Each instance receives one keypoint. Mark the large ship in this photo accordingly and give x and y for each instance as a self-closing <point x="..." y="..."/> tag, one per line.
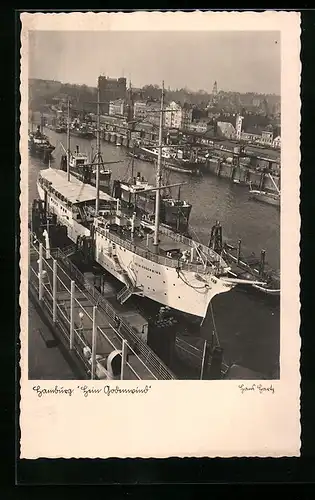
<point x="178" y="272"/>
<point x="173" y="158"/>
<point x="140" y="195"/>
<point x="159" y="264"/>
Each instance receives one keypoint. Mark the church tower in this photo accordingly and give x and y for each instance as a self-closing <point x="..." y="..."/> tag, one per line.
<point x="129" y="104"/>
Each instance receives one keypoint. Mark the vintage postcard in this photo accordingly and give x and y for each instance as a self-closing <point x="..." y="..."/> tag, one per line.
<point x="160" y="230"/>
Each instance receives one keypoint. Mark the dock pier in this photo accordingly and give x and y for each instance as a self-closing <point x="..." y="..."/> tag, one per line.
<point x="101" y="340"/>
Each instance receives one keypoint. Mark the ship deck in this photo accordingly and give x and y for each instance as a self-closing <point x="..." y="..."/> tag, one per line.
<point x="172" y="248"/>
<point x="166" y="246"/>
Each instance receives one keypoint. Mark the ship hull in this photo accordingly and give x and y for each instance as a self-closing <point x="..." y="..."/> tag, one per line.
<point x="176" y="165"/>
<point x="265" y="198"/>
<point x="82" y="135"/>
<point x="40" y="150"/>
<point x="182" y="291"/>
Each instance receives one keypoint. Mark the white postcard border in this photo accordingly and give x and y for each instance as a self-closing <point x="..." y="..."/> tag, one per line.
<point x="176" y="418"/>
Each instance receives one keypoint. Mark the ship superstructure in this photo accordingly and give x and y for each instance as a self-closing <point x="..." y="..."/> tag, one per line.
<point x="85" y="170"/>
<point x="140" y="194"/>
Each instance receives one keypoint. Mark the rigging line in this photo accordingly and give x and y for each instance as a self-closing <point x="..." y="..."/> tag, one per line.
<point x="214" y="325"/>
<point x="215" y="331"/>
<point x="188" y="284"/>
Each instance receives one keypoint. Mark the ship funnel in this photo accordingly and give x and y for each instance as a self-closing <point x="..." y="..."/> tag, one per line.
<point x="77" y="149"/>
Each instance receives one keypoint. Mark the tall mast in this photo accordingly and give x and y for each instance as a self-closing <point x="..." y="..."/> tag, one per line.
<point x="158" y="174"/>
<point x="68" y="141"/>
<point x="98" y="147"/>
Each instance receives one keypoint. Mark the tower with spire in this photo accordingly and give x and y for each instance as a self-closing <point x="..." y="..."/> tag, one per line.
<point x="214" y="93"/>
<point x="129" y="103"/>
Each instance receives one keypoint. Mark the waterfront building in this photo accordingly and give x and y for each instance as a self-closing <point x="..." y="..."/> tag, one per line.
<point x="178" y="116"/>
<point x="111" y="89"/>
<point x="238" y="127"/>
<point x="251" y="137"/>
<point x="277" y="142"/>
<point x="226" y="129"/>
<point x="140" y="110"/>
<point x="267" y="135"/>
<point x="200" y="126"/>
<point x="116" y="107"/>
<point x="153" y="113"/>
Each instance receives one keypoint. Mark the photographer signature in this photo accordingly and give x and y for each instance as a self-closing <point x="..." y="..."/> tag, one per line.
<point x="256" y="388"/>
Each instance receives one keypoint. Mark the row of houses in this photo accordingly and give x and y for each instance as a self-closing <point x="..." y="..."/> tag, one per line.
<point x="179" y="117"/>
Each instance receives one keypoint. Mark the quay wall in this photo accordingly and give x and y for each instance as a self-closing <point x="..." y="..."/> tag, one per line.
<point x="243" y="174"/>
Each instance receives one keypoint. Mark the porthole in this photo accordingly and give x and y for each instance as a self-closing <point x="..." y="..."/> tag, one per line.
<point x="163" y="281"/>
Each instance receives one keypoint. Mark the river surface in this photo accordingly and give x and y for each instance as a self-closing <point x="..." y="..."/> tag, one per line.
<point x="248" y="325"/>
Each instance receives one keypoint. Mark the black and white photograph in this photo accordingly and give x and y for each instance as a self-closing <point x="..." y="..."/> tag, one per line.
<point x="155" y="190"/>
<point x="154" y="207"/>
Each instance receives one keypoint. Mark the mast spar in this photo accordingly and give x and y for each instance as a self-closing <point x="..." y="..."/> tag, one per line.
<point x="158" y="175"/>
<point x="98" y="147"/>
<point x="68" y="140"/>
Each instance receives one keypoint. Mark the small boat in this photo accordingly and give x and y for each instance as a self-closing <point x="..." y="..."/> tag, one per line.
<point x="272" y="198"/>
<point x="265" y="197"/>
<point x="38" y="143"/>
<point x="82" y="131"/>
<point x="60" y="129"/>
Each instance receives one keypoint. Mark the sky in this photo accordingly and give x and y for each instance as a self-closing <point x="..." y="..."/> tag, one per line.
<point x="246" y="61"/>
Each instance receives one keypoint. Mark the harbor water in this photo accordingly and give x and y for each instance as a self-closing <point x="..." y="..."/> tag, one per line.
<point x="248" y="325"/>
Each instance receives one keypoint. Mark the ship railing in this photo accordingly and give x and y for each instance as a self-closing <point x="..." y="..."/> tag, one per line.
<point x="180" y="238"/>
<point x="148" y="357"/>
<point x="218" y="262"/>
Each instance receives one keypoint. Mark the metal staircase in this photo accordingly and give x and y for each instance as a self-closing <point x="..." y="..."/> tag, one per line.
<point x="125" y="294"/>
<point x="129" y="288"/>
<point x="70" y="250"/>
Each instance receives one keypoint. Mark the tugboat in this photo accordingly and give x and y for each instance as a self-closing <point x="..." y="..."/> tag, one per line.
<point x="38" y="144"/>
<point x="84" y="170"/>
